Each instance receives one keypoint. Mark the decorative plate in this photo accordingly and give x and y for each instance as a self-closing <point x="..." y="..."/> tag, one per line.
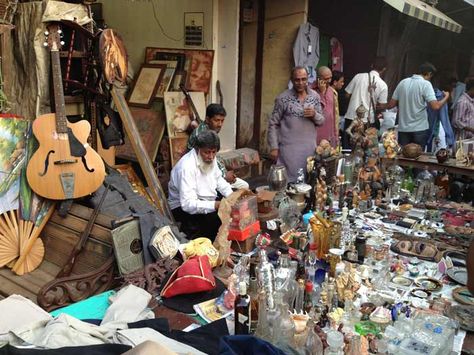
<point x="462" y="295"/>
<point x="463" y="314"/>
<point x="458" y="274"/>
<point x="420" y="293"/>
<point x="402" y="281"/>
<point x="428" y="283"/>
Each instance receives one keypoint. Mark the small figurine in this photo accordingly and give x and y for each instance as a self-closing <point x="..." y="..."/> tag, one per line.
<point x="356" y="131"/>
<point x="371" y="143"/>
<point x="392" y="148"/>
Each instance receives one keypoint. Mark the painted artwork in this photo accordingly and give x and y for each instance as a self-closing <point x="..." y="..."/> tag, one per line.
<point x="200" y="72"/>
<point x="198" y="65"/>
<point x="151" y="126"/>
<point x="177" y="111"/>
<point x="12" y="159"/>
<point x="178" y="147"/>
<point x="146" y="85"/>
<point x="165" y="82"/>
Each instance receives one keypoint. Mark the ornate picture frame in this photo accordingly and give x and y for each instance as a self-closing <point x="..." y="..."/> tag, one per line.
<point x="146" y="85"/>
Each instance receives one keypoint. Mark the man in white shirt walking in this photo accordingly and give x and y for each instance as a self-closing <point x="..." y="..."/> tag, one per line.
<point x="193" y="188"/>
<point x="369" y="90"/>
<point x="412" y="96"/>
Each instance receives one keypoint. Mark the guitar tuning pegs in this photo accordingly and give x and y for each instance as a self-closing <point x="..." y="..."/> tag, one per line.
<point x="62" y="43"/>
<point x="46" y="33"/>
<point x="60" y="31"/>
<point x="45" y="44"/>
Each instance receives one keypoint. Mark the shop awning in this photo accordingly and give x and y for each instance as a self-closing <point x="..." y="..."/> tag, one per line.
<point x="470" y="2"/>
<point x="425" y="12"/>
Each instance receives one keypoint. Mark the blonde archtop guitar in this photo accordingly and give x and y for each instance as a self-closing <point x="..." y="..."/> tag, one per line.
<point x="64" y="166"/>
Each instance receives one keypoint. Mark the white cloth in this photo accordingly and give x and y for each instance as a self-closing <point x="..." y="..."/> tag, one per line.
<point x="359" y="90"/>
<point x="137" y="336"/>
<point x="239" y="184"/>
<point x="129" y="305"/>
<point x="18" y="311"/>
<point x="194" y="190"/>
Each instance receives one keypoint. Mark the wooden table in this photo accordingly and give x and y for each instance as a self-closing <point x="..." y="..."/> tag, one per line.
<point x="432" y="164"/>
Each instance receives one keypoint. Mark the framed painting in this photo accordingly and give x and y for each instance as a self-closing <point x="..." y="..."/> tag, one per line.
<point x="168" y="63"/>
<point x="200" y="71"/>
<point x="166" y="54"/>
<point x="178" y="79"/>
<point x="198" y="65"/>
<point x="151" y="125"/>
<point x="146" y="85"/>
<point x="165" y="82"/>
<point x="178" y="147"/>
<point x="178" y="112"/>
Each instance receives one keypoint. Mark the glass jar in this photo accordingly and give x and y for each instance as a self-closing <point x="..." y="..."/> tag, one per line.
<point x="348" y="168"/>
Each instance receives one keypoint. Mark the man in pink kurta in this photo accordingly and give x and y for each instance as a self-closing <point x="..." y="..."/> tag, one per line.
<point x="328" y="129"/>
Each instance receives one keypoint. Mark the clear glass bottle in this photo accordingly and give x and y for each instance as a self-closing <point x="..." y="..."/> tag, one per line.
<point x="314" y="345"/>
<point x="254" y="304"/>
<point x="263" y="327"/>
<point x="284" y="327"/>
<point x="335" y="341"/>
<point x="299" y="301"/>
<point x="266" y="277"/>
<point x="346" y="233"/>
<point x="242" y="311"/>
<point x="283" y="276"/>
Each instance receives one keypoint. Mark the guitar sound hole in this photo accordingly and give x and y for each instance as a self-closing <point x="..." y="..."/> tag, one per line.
<point x="46" y="163"/>
<point x="84" y="162"/>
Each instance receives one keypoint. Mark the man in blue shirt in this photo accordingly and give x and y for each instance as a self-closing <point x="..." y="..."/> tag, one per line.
<point x="412" y="96"/>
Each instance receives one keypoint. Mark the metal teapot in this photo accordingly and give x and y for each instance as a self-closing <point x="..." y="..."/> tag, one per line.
<point x="277" y="178"/>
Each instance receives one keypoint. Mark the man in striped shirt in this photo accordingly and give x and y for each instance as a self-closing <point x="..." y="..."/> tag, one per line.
<point x="463" y="116"/>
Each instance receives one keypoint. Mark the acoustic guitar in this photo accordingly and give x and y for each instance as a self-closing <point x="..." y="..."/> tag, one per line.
<point x="64" y="166"/>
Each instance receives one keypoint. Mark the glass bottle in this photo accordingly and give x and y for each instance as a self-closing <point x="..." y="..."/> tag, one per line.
<point x="335" y="341"/>
<point x="254" y="303"/>
<point x="242" y="311"/>
<point x="263" y="327"/>
<point x="308" y="297"/>
<point x="299" y="296"/>
<point x="283" y="276"/>
<point x="266" y="277"/>
<point x="284" y="327"/>
<point x="409" y="182"/>
<point x="355" y="346"/>
<point x="346" y="234"/>
<point x="314" y="345"/>
<point x="311" y="260"/>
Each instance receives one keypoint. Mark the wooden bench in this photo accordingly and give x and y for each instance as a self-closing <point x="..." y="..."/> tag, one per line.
<point x="93" y="270"/>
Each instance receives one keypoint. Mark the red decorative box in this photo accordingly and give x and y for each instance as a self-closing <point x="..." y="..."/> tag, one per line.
<point x="247" y="232"/>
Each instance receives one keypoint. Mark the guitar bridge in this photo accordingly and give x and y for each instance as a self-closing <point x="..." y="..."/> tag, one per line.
<point x="65" y="161"/>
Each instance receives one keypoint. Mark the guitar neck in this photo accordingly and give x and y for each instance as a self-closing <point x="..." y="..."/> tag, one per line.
<point x="59" y="105"/>
<point x="190" y="102"/>
<point x="93" y="122"/>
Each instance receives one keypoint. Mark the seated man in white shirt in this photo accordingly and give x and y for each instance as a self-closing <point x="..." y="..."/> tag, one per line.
<point x="193" y="188"/>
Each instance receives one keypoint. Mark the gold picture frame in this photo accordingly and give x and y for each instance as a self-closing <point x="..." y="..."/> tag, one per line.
<point x="146" y="85"/>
